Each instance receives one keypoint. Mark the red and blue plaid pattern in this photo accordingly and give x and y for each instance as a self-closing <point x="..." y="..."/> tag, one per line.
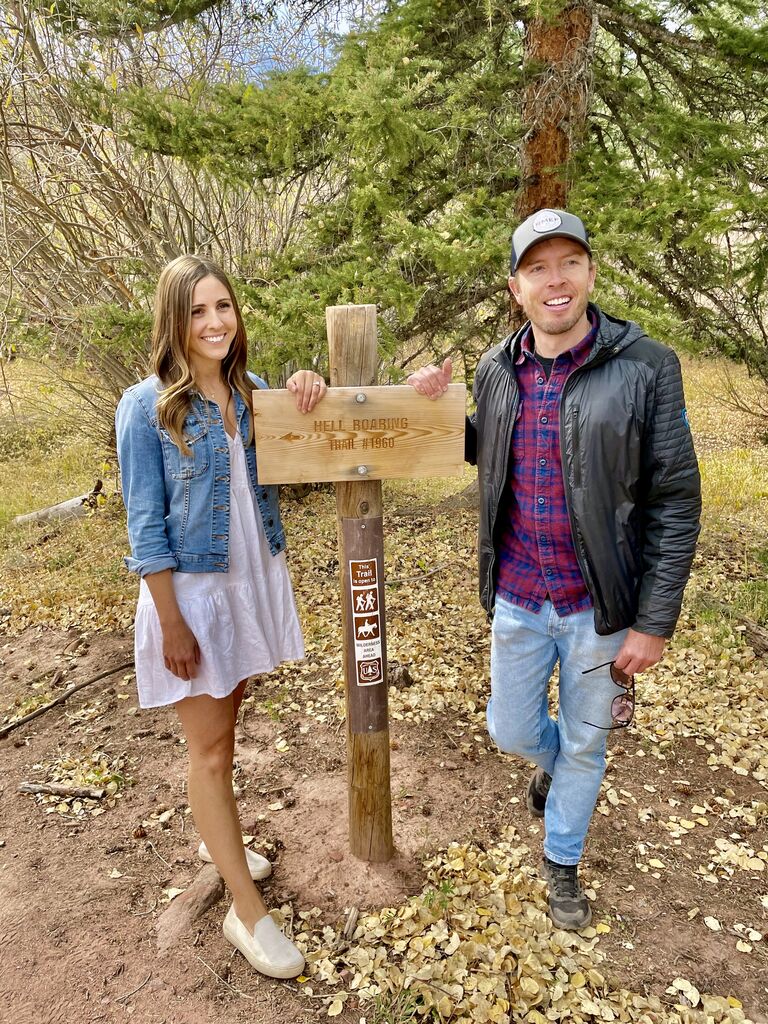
<point x="537" y="559"/>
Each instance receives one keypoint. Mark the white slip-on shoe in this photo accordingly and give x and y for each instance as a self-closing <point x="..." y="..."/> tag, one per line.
<point x="258" y="866"/>
<point x="267" y="949"/>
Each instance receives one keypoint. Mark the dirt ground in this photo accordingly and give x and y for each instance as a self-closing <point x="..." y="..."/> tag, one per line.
<point x="81" y="894"/>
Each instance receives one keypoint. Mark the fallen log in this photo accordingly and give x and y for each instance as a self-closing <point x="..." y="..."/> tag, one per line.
<point x="4" y="730"/>
<point x="69" y="509"/>
<point x="60" y="789"/>
<point x="177" y="921"/>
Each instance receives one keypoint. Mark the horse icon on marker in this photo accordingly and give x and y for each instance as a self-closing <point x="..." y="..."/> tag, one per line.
<point x="367" y="629"/>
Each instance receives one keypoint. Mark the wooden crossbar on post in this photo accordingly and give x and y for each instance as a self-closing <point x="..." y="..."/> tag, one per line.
<point x="353" y="355"/>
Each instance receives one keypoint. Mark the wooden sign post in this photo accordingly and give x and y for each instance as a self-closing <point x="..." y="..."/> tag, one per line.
<point x="358" y="436"/>
<point x="353" y="356"/>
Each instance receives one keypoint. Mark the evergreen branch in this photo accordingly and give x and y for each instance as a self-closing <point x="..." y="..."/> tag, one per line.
<point x="613" y="16"/>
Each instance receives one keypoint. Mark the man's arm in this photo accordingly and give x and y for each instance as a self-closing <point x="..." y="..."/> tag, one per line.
<point x="670" y="508"/>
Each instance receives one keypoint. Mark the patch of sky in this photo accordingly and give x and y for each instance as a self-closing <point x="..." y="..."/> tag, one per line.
<point x="289" y="39"/>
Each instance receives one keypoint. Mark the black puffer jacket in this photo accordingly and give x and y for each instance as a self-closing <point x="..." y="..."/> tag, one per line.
<point x="631" y="477"/>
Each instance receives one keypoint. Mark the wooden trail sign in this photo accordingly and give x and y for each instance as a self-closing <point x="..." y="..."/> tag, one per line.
<point x="430" y="443"/>
<point x="373" y="432"/>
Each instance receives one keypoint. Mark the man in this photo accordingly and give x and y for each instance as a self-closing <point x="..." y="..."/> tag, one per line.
<point x="589" y="514"/>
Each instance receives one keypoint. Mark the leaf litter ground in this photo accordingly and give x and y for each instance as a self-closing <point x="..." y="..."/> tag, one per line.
<point x="455" y="928"/>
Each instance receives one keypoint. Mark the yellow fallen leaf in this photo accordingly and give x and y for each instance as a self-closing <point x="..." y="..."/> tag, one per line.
<point x="712" y="923"/>
<point x="335" y="1008"/>
<point x="743" y="947"/>
<point x="530" y="987"/>
<point x="656" y="863"/>
<point x="602" y="929"/>
<point x="114" y="873"/>
<point x="578" y="980"/>
<point x="734" y="1002"/>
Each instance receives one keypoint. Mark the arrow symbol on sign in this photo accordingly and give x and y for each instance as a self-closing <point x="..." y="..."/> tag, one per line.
<point x="291" y="437"/>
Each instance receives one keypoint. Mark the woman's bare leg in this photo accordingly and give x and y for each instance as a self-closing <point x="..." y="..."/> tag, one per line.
<point x="209" y="726"/>
<point x="237" y="697"/>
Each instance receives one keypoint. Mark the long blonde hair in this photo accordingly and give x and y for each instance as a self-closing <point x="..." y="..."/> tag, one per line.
<point x="170" y="343"/>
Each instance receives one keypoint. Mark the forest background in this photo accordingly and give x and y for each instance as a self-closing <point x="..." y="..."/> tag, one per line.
<point x="328" y="153"/>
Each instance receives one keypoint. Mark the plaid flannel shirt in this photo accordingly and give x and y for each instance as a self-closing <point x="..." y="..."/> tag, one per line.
<point x="537" y="560"/>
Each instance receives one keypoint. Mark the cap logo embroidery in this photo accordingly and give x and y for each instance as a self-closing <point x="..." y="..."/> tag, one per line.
<point x="547" y="220"/>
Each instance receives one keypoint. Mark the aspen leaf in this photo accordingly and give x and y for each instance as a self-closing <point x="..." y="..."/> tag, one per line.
<point x="529" y="987"/>
<point x="712" y="923"/>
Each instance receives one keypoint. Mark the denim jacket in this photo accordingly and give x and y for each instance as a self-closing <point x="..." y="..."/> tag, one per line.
<point x="178" y="505"/>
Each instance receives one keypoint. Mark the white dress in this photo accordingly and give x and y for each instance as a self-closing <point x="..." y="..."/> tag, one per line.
<point x="244" y="620"/>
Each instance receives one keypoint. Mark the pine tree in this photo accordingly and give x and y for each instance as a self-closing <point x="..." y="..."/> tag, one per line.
<point x="441" y="122"/>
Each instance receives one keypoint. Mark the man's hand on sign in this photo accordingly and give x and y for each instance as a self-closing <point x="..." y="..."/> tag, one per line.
<point x="432" y="381"/>
<point x="308" y="386"/>
<point x="639" y="652"/>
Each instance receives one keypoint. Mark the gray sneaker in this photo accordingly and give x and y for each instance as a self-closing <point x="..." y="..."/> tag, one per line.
<point x="538" y="789"/>
<point x="568" y="906"/>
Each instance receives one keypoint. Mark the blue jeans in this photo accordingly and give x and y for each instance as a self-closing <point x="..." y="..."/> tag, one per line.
<point x="525" y="647"/>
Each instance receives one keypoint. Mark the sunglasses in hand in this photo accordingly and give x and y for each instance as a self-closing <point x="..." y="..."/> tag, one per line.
<point x="622" y="705"/>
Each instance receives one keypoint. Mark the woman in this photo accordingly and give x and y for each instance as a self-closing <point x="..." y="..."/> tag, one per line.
<point x="215" y="603"/>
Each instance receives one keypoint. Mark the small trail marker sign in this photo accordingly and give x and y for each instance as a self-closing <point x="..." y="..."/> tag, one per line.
<point x="364" y="595"/>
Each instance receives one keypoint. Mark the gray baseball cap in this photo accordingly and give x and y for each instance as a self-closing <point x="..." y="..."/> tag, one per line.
<point x="542" y="225"/>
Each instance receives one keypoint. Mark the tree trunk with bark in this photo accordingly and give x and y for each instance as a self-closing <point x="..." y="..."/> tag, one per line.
<point x="558" y="58"/>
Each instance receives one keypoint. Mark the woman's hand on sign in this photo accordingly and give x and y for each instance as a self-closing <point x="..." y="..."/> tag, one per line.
<point x="181" y="652"/>
<point x="432" y="381"/>
<point x="308" y="387"/>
